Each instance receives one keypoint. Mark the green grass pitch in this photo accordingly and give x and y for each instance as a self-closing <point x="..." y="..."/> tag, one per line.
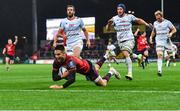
<point x="25" y="87"/>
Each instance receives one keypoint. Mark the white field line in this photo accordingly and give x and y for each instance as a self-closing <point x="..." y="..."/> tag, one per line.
<point x="93" y="91"/>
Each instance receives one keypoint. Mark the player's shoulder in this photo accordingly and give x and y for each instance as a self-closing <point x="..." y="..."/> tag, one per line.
<point x="78" y="18"/>
<point x="64" y="20"/>
<point x="115" y="17"/>
<point x="155" y="22"/>
<point x="70" y="58"/>
<point x="167" y="21"/>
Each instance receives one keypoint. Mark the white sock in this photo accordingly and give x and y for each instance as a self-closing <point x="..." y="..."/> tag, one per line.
<point x="110" y="72"/>
<point x="174" y="64"/>
<point x="159" y="63"/>
<point x="129" y="64"/>
<point x="109" y="65"/>
<point x="167" y="63"/>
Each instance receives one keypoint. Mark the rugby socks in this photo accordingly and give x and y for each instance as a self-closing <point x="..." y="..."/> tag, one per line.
<point x="146" y="60"/>
<point x="159" y="63"/>
<point x="109" y="64"/>
<point x="101" y="61"/>
<point x="129" y="64"/>
<point x="167" y="63"/>
<point x="108" y="76"/>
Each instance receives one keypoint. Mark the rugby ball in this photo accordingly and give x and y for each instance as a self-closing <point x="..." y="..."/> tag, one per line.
<point x="62" y="70"/>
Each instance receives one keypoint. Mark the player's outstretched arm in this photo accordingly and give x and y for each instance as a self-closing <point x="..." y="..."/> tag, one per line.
<point x="136" y="33"/>
<point x="70" y="80"/>
<point x="109" y="24"/>
<point x="16" y="40"/>
<point x="59" y="34"/>
<point x="55" y="76"/>
<point x="88" y="43"/>
<point x="4" y="51"/>
<point x="173" y="31"/>
<point x="152" y="35"/>
<point x="142" y="22"/>
<point x="56" y="86"/>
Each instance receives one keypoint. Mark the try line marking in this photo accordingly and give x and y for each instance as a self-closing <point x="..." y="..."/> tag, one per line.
<point x="90" y="91"/>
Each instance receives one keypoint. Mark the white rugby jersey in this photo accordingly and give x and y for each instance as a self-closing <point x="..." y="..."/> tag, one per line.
<point x="111" y="47"/>
<point x="162" y="29"/>
<point x="123" y="27"/>
<point x="72" y="29"/>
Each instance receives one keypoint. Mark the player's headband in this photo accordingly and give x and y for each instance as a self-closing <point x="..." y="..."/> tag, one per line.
<point x="122" y="6"/>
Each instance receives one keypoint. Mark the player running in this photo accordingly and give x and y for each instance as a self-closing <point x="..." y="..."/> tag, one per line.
<point x="110" y="53"/>
<point x="122" y="23"/>
<point x="9" y="52"/>
<point x="170" y="54"/>
<point x="71" y="26"/>
<point x="75" y="65"/>
<point x="142" y="47"/>
<point x="163" y="29"/>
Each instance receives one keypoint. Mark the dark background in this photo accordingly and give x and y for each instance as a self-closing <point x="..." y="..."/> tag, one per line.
<point x="16" y="15"/>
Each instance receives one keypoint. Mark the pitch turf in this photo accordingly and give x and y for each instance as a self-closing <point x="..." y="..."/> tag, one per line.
<point x="25" y="87"/>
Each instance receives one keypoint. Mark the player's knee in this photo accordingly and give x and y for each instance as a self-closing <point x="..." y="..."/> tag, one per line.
<point x="160" y="54"/>
<point x="146" y="54"/>
<point x="126" y="54"/>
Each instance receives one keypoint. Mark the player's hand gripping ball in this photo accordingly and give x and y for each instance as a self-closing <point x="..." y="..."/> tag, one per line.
<point x="62" y="70"/>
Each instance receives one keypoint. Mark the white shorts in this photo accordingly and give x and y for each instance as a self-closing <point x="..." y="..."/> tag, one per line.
<point x="127" y="45"/>
<point x="111" y="53"/>
<point x="72" y="46"/>
<point x="161" y="46"/>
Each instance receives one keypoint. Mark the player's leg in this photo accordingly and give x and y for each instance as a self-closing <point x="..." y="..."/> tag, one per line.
<point x="136" y="57"/>
<point x="11" y="60"/>
<point x="159" y="51"/>
<point x="126" y="48"/>
<point x="143" y="62"/>
<point x="99" y="63"/>
<point x="69" y="50"/>
<point x="7" y="59"/>
<point x="109" y="61"/>
<point x="108" y="57"/>
<point x="104" y="81"/>
<point x="139" y="59"/>
<point x="167" y="59"/>
<point x="93" y="75"/>
<point x="114" y="57"/>
<point x="77" y="49"/>
<point x="146" y="54"/>
<point x="129" y="64"/>
<point x="174" y="58"/>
